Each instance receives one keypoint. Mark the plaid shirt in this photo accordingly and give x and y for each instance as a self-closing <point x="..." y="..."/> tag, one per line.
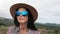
<point x="15" y="30"/>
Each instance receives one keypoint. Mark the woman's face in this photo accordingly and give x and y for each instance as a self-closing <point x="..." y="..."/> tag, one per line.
<point x="20" y="18"/>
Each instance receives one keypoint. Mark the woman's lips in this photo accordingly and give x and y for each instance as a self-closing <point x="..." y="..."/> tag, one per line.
<point x="20" y="18"/>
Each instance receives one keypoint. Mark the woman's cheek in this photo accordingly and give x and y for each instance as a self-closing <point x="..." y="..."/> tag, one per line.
<point x="26" y="19"/>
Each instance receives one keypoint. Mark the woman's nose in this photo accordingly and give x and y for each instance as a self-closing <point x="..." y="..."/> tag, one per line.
<point x="20" y="15"/>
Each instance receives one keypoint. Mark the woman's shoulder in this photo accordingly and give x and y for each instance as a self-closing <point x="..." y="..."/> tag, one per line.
<point x="35" y="32"/>
<point x="9" y="29"/>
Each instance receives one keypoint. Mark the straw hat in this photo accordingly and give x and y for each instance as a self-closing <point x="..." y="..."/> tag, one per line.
<point x="30" y="8"/>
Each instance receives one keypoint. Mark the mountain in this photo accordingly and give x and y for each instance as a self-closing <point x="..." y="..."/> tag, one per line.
<point x="8" y="22"/>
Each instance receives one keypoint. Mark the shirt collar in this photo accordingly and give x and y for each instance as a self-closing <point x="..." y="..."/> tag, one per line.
<point x="17" y="29"/>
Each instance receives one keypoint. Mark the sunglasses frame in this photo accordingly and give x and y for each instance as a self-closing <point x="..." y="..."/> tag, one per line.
<point x="24" y="13"/>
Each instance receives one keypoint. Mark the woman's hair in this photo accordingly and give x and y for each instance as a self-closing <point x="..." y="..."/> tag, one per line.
<point x="30" y="23"/>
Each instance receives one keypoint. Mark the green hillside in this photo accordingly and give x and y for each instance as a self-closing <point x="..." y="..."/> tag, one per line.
<point x="43" y="28"/>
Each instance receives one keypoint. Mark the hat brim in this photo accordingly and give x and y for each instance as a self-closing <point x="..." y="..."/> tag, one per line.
<point x="30" y="8"/>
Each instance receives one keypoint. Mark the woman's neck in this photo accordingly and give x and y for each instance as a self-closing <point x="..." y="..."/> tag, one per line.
<point x="23" y="27"/>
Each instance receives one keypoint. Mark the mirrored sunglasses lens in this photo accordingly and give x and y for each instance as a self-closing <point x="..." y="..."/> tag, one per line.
<point x="18" y="13"/>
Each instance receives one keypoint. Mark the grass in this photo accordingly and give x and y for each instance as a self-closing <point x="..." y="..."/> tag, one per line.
<point x="3" y="29"/>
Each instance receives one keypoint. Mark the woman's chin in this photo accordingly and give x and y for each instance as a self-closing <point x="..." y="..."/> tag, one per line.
<point x="22" y="22"/>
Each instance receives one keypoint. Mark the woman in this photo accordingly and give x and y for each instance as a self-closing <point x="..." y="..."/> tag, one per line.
<point x="24" y="17"/>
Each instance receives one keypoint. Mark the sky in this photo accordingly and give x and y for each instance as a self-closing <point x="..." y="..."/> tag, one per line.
<point x="48" y="10"/>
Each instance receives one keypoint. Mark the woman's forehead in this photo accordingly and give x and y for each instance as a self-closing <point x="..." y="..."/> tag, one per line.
<point x="21" y="9"/>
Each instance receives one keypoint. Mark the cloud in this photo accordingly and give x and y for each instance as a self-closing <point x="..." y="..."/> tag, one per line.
<point x="49" y="11"/>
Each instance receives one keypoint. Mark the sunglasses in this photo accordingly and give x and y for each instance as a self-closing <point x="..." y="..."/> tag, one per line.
<point x="23" y="13"/>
